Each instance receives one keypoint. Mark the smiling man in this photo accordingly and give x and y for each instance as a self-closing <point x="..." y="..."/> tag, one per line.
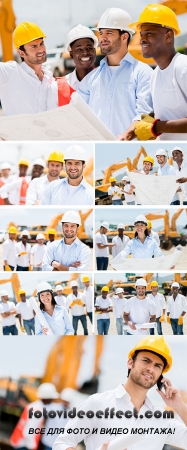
<point x="181" y="171"/>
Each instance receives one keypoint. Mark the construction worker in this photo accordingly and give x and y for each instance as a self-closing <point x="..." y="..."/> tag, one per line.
<point x="139" y="309"/>
<point x="23" y="249"/>
<point x="160" y="305"/>
<point x="24" y="87"/>
<point x="166" y="169"/>
<point x="152" y="233"/>
<point x="128" y="191"/>
<point x="102" y="246"/>
<point x="118" y="90"/>
<point x="68" y="253"/>
<point x="51" y="235"/>
<point x="60" y="299"/>
<point x="14" y="193"/>
<point x="5" y="173"/>
<point x="9" y="250"/>
<point x="73" y="189"/>
<point x="158" y="26"/>
<point x="103" y="306"/>
<point x="148" y="362"/>
<point x="119" y="306"/>
<point x="177" y="308"/>
<point x="7" y="312"/>
<point x="88" y="296"/>
<point x="37" y="252"/>
<point x="115" y="192"/>
<point x="37" y="186"/>
<point x="181" y="171"/>
<point x="25" y="313"/>
<point x="56" y="316"/>
<point x="76" y="303"/>
<point x="120" y="241"/>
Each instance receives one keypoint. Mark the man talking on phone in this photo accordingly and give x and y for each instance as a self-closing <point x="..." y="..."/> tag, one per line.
<point x="128" y="406"/>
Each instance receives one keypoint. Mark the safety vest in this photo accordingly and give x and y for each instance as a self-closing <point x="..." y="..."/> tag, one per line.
<point x="23" y="191"/>
<point x="1" y="200"/>
<point x="64" y="91"/>
<point x="20" y="436"/>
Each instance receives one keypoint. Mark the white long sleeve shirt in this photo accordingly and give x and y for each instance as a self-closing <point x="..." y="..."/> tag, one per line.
<point x="159" y="302"/>
<point x="119" y="245"/>
<point x="9" y="252"/>
<point x="23" y="261"/>
<point x="12" y="190"/>
<point x="140" y="311"/>
<point x="7" y="307"/>
<point x="88" y="298"/>
<point x="177" y="306"/>
<point x="76" y="310"/>
<point x="36" y="189"/>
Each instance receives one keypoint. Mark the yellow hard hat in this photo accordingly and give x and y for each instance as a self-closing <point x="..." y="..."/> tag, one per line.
<point x="105" y="288"/>
<point x="111" y="179"/>
<point x="149" y="224"/>
<point x="25" y="162"/>
<point x="21" y="291"/>
<point x="86" y="278"/>
<point x="154" y="283"/>
<point x="159" y="15"/>
<point x="56" y="156"/>
<point x="155" y="344"/>
<point x="26" y="32"/>
<point x="12" y="230"/>
<point x="148" y="159"/>
<point x="51" y="231"/>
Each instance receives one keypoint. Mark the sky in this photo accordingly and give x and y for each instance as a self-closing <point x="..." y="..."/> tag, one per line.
<point x="57" y="17"/>
<point x="104" y="278"/>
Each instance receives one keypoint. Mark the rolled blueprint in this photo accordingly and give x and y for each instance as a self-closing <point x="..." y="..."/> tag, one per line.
<point x="41" y="318"/>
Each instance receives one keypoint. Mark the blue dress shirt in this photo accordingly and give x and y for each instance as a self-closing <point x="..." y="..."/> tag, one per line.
<point x="141" y="250"/>
<point x="59" y="322"/>
<point x="59" y="192"/>
<point x="67" y="254"/>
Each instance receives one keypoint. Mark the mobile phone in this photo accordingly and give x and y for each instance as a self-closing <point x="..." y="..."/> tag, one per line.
<point x="160" y="385"/>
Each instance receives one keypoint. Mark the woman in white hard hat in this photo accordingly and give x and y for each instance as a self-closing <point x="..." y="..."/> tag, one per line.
<point x="56" y="316"/>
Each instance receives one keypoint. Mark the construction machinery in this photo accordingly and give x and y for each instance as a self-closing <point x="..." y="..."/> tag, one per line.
<point x="128" y="286"/>
<point x="14" y="280"/>
<point x="7" y="26"/>
<point x="181" y="279"/>
<point x="169" y="236"/>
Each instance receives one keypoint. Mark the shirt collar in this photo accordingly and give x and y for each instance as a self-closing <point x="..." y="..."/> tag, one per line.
<point x="147" y="238"/>
<point x="120" y="392"/>
<point x="76" y="241"/>
<point x="29" y="69"/>
<point x="128" y="57"/>
<point x="83" y="182"/>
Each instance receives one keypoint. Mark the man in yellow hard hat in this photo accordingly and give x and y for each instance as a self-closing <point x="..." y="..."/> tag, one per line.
<point x="9" y="250"/>
<point x="24" y="87"/>
<point x="103" y="306"/>
<point x="38" y="186"/>
<point x="145" y="425"/>
<point x="115" y="192"/>
<point x="25" y="313"/>
<point x="88" y="296"/>
<point x="160" y="306"/>
<point x="51" y="235"/>
<point x="158" y="26"/>
<point x="148" y="163"/>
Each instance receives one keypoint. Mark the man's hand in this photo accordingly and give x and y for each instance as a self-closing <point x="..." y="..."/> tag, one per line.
<point x="44" y="330"/>
<point x="76" y="264"/>
<point x="131" y="325"/>
<point x="171" y="396"/>
<point x="182" y="180"/>
<point x="129" y="134"/>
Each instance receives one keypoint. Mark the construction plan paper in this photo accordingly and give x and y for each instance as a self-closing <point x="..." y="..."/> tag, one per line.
<point x="154" y="190"/>
<point x="147" y="264"/>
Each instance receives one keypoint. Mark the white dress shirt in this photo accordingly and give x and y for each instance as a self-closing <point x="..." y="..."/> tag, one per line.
<point x="140" y="311"/>
<point x="23" y="261"/>
<point x="9" y="252"/>
<point x="182" y="173"/>
<point x="177" y="306"/>
<point x="38" y="251"/>
<point x="25" y="309"/>
<point x="61" y="300"/>
<point x="103" y="303"/>
<point x="60" y="192"/>
<point x="119" y="306"/>
<point x="12" y="190"/>
<point x="101" y="239"/>
<point x="76" y="310"/>
<point x="159" y="302"/>
<point x="88" y="298"/>
<point x="7" y="307"/>
<point x="36" y="189"/>
<point x="119" y="244"/>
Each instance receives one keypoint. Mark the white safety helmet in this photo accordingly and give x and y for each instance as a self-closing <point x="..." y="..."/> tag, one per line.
<point x="176" y="148"/>
<point x="39" y="162"/>
<point x="71" y="217"/>
<point x="74" y="283"/>
<point x="43" y="287"/>
<point x="3" y="293"/>
<point x="141" y="282"/>
<point x="47" y="391"/>
<point x="40" y="236"/>
<point x="120" y="225"/>
<point x="75" y="152"/>
<point x="105" y="225"/>
<point x="125" y="178"/>
<point x="58" y="288"/>
<point x="161" y="152"/>
<point x="116" y="19"/>
<point x="175" y="284"/>
<point x="5" y="165"/>
<point x="25" y="233"/>
<point x="119" y="290"/>
<point x="68" y="394"/>
<point x="80" y="32"/>
<point x="140" y="218"/>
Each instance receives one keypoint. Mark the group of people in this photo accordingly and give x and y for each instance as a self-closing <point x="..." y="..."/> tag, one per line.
<point x="50" y="188"/>
<point x="55" y="308"/>
<point x="136" y="314"/>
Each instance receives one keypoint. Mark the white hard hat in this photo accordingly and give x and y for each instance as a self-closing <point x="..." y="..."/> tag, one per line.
<point x="177" y="148"/>
<point x="47" y="391"/>
<point x="175" y="284"/>
<point x="5" y="165"/>
<point x="39" y="162"/>
<point x="80" y="32"/>
<point x="105" y="225"/>
<point x="75" y="152"/>
<point x="3" y="293"/>
<point x="117" y="19"/>
<point x="25" y="233"/>
<point x="72" y="217"/>
<point x="161" y="152"/>
<point x="43" y="287"/>
<point x="40" y="236"/>
<point x="140" y="218"/>
<point x="125" y="178"/>
<point x="119" y="290"/>
<point x="58" y="288"/>
<point x="74" y="283"/>
<point x="120" y="225"/>
<point x="141" y="282"/>
<point x="67" y="394"/>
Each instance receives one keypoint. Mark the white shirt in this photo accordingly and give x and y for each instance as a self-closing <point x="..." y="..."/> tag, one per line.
<point x="76" y="310"/>
<point x="9" y="179"/>
<point x="21" y="91"/>
<point x="88" y="298"/>
<point x="182" y="173"/>
<point x="119" y="244"/>
<point x="36" y="189"/>
<point x="38" y="251"/>
<point x="101" y="239"/>
<point x="177" y="306"/>
<point x="61" y="300"/>
<point x="119" y="306"/>
<point x="7" y="307"/>
<point x="23" y="261"/>
<point x="103" y="303"/>
<point x="120" y="400"/>
<point x="159" y="302"/>
<point x="25" y="310"/>
<point x="139" y="312"/>
<point x="9" y="252"/>
<point x="168" y="90"/>
<point x="12" y="190"/>
<point x="56" y="422"/>
<point x="128" y="197"/>
<point x="155" y="236"/>
<point x="115" y="191"/>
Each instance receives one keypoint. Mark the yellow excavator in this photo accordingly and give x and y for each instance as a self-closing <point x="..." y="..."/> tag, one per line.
<point x="7" y="26"/>
<point x="14" y="279"/>
<point x="128" y="286"/>
<point x="169" y="236"/>
<point x="181" y="279"/>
